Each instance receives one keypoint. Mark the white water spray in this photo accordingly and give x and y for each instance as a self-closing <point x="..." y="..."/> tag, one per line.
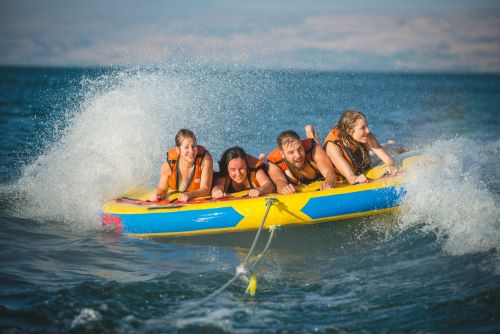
<point x="113" y="142"/>
<point x="451" y="198"/>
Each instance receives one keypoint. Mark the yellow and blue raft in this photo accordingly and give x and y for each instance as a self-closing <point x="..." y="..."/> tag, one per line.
<point x="132" y="214"/>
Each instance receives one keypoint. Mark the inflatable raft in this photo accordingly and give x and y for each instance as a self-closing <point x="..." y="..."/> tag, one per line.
<point x="132" y="214"/>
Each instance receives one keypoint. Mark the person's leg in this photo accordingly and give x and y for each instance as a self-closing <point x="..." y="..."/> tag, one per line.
<point x="311" y="133"/>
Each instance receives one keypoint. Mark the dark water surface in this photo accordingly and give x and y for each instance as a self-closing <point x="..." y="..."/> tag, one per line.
<point x="73" y="138"/>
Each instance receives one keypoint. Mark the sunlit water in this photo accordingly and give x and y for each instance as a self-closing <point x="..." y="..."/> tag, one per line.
<point x="74" y="138"/>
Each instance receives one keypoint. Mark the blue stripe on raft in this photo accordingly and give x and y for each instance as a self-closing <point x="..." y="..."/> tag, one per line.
<point x="180" y="221"/>
<point x="362" y="201"/>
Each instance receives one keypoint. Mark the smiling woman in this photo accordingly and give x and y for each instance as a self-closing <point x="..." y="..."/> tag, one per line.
<point x="348" y="145"/>
<point x="240" y="171"/>
<point x="188" y="169"/>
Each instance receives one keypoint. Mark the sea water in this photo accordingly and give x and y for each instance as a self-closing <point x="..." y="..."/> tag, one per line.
<point x="73" y="138"/>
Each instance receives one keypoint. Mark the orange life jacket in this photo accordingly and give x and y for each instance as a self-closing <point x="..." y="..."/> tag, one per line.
<point x="194" y="179"/>
<point x="356" y="165"/>
<point x="253" y="165"/>
<point x="275" y="158"/>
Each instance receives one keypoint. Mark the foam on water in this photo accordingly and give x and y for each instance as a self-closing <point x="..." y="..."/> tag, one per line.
<point x="86" y="316"/>
<point x="111" y="142"/>
<point x="455" y="197"/>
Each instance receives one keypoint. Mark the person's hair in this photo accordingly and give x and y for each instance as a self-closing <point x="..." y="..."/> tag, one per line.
<point x="348" y="120"/>
<point x="228" y="155"/>
<point x="183" y="134"/>
<point x="286" y="137"/>
<point x="345" y="124"/>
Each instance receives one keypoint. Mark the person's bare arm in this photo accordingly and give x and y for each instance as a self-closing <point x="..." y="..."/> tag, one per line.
<point x="162" y="187"/>
<point x="337" y="157"/>
<point x="325" y="167"/>
<point x="279" y="179"/>
<point x="218" y="188"/>
<point x="266" y="185"/>
<point x="382" y="154"/>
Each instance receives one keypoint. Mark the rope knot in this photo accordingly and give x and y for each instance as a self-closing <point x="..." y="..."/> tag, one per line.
<point x="271" y="200"/>
<point x="241" y="270"/>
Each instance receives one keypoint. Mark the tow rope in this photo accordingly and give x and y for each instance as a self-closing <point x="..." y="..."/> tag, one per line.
<point x="242" y="272"/>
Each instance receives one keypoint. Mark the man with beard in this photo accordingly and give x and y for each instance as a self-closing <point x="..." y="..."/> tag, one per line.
<point x="297" y="161"/>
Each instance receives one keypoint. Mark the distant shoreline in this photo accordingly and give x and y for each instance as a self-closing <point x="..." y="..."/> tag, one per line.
<point x="240" y="68"/>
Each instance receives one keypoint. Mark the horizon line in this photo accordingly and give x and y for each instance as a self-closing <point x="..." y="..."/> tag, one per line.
<point x="248" y="67"/>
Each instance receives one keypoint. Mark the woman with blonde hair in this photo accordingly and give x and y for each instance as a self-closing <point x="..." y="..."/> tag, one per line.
<point x="348" y="145"/>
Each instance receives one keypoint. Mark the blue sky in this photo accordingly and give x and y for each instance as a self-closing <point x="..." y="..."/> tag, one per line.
<point x="383" y="35"/>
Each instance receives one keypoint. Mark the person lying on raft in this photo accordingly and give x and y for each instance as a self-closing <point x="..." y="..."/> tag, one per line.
<point x="348" y="145"/>
<point x="390" y="146"/>
<point x="188" y="169"/>
<point x="240" y="171"/>
<point x="297" y="161"/>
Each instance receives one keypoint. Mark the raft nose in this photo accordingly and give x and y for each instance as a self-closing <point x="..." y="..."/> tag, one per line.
<point x="112" y="223"/>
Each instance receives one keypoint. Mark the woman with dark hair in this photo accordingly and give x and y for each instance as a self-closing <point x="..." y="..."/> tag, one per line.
<point x="188" y="169"/>
<point x="348" y="145"/>
<point x="239" y="171"/>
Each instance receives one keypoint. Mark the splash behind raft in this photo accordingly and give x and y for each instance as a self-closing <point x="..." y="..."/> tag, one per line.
<point x="132" y="214"/>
